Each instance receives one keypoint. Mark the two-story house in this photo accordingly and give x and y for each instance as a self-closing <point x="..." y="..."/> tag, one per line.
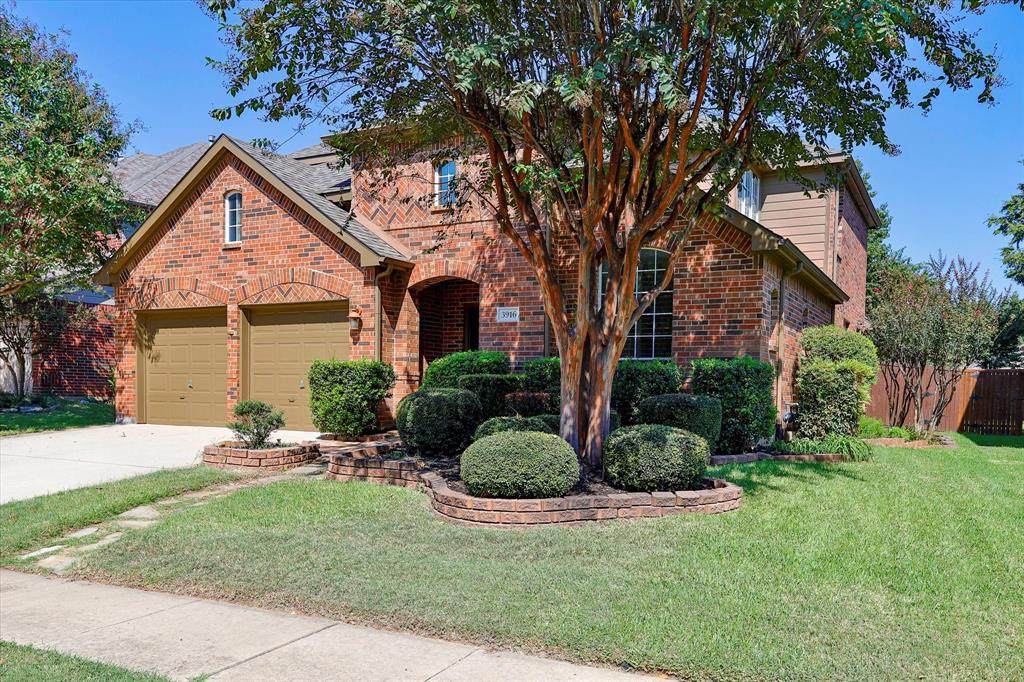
<point x="254" y="264"/>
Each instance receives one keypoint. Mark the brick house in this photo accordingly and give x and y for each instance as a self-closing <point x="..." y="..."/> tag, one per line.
<point x="254" y="264"/>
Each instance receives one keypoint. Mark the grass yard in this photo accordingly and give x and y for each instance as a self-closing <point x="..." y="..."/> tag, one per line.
<point x="28" y="664"/>
<point x="909" y="566"/>
<point x="26" y="524"/>
<point x="68" y="415"/>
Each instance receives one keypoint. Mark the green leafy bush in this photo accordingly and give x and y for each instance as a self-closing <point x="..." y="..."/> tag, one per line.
<point x="650" y="457"/>
<point x="869" y="427"/>
<point x="701" y="414"/>
<point x="744" y="385"/>
<point x="444" y="372"/>
<point x="344" y="395"/>
<point x="499" y="424"/>
<point x="519" y="464"/>
<point x="832" y="343"/>
<point x="438" y="422"/>
<point x="854" y="449"/>
<point x="543" y="375"/>
<point x="491" y="389"/>
<point x="636" y="380"/>
<point x="528" y="403"/>
<point x="832" y="396"/>
<point x="254" y="421"/>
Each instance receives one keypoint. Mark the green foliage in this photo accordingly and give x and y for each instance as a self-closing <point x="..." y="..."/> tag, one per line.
<point x="1008" y="344"/>
<point x="59" y="139"/>
<point x="491" y="389"/>
<point x="854" y="449"/>
<point x="519" y="464"/>
<point x="444" y="372"/>
<point x="438" y="422"/>
<point x="650" y="457"/>
<point x="1010" y="223"/>
<point x="554" y="421"/>
<point x="636" y="380"/>
<point x="254" y="421"/>
<point x="832" y="397"/>
<point x="543" y="375"/>
<point x="869" y="427"/>
<point x="529" y="403"/>
<point x="699" y="414"/>
<point x="498" y="424"/>
<point x="344" y="395"/>
<point x="744" y="385"/>
<point x="834" y="344"/>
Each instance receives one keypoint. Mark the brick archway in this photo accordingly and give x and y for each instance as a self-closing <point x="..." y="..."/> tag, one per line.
<point x="177" y="292"/>
<point x="293" y="285"/>
<point x="434" y="271"/>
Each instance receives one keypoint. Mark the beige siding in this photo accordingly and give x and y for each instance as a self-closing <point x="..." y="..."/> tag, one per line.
<point x="787" y="211"/>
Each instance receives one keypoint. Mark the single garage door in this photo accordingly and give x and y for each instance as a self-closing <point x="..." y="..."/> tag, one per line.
<point x="184" y="379"/>
<point x="283" y="341"/>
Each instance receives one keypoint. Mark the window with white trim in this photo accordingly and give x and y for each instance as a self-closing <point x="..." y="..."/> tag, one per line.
<point x="444" y="184"/>
<point x="233" y="218"/>
<point x="748" y="195"/>
<point x="651" y="336"/>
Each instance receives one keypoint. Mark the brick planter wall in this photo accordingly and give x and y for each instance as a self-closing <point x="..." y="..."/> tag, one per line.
<point x="228" y="456"/>
<point x="467" y="510"/>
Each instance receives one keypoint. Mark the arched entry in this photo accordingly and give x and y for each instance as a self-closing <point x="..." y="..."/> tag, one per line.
<point x="449" y="317"/>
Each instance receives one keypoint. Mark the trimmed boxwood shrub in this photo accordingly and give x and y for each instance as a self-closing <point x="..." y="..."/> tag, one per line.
<point x="344" y="395"/>
<point x="491" y="389"/>
<point x="438" y="422"/>
<point x="444" y="372"/>
<point x="636" y="380"/>
<point x="543" y="375"/>
<point x="519" y="464"/>
<point x="650" y="457"/>
<point x="528" y="403"/>
<point x="701" y="414"/>
<point x="832" y="397"/>
<point x="554" y="421"/>
<point x="499" y="424"/>
<point x="832" y="343"/>
<point x="254" y="421"/>
<point x="744" y="385"/>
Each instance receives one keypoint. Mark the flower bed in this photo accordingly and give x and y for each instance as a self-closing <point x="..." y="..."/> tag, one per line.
<point x="231" y="455"/>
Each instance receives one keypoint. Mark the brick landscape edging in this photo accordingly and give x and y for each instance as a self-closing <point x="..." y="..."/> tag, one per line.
<point x="467" y="510"/>
<point x="228" y="456"/>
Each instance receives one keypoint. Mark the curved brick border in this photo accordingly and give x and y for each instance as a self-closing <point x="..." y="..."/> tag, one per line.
<point x="467" y="510"/>
<point x="228" y="456"/>
<point x="747" y="458"/>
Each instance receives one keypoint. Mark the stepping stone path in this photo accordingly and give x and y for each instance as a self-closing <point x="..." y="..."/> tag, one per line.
<point x="59" y="558"/>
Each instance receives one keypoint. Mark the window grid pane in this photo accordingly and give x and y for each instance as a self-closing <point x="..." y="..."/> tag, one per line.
<point x="444" y="190"/>
<point x="651" y="337"/>
<point x="234" y="218"/>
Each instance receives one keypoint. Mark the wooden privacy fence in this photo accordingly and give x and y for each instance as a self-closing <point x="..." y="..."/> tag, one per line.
<point x="985" y="401"/>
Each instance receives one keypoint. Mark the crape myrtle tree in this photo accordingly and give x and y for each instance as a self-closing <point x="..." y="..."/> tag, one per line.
<point x="613" y="125"/>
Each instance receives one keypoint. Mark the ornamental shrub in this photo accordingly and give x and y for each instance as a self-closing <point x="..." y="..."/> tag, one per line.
<point x="636" y="380"/>
<point x="869" y="427"/>
<point x="254" y="421"/>
<point x="438" y="422"/>
<point x="528" y="403"/>
<point x="744" y="385"/>
<point x="854" y="449"/>
<point x="444" y="372"/>
<point x="519" y="464"/>
<point x="543" y="375"/>
<point x="499" y="424"/>
<point x="344" y="395"/>
<point x="832" y="343"/>
<point x="491" y="389"/>
<point x="650" y="457"/>
<point x="832" y="396"/>
<point x="700" y="414"/>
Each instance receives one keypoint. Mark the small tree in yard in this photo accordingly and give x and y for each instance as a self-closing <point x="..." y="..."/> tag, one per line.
<point x="608" y="125"/>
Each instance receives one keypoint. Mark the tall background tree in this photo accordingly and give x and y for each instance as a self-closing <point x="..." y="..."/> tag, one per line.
<point x="614" y="124"/>
<point x="1009" y="222"/>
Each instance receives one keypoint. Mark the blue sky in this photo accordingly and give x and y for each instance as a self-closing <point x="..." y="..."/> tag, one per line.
<point x="957" y="165"/>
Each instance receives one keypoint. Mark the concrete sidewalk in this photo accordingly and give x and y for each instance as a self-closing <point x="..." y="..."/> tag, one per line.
<point x="182" y="638"/>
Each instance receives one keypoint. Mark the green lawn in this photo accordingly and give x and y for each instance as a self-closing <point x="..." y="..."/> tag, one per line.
<point x="28" y="664"/>
<point x="68" y="415"/>
<point x="30" y="523"/>
<point x="909" y="566"/>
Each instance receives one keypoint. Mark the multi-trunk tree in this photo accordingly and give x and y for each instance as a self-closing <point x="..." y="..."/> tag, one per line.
<point x="615" y="125"/>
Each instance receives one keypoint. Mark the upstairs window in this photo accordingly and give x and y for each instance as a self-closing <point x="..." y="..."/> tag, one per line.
<point x="651" y="336"/>
<point x="233" y="218"/>
<point x="748" y="196"/>
<point x="444" y="184"/>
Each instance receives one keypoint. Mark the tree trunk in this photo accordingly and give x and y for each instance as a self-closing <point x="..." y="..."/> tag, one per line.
<point x="19" y="377"/>
<point x="586" y="375"/>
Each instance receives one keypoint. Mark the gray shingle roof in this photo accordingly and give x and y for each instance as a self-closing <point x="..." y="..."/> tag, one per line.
<point x="318" y="149"/>
<point x="147" y="178"/>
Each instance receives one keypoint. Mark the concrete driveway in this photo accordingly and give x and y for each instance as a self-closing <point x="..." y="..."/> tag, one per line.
<point x="40" y="463"/>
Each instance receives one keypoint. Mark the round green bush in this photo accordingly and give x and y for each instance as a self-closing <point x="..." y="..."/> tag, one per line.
<point x="745" y="387"/>
<point x="700" y="414"/>
<point x="444" y="372"/>
<point x="636" y="380"/>
<point x="491" y="389"/>
<point x="499" y="424"/>
<point x="438" y="422"/>
<point x="554" y="421"/>
<point x="651" y="457"/>
<point x="344" y="395"/>
<point x="519" y="464"/>
<point x="832" y="343"/>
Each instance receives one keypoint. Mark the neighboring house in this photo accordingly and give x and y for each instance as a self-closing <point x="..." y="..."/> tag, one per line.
<point x="254" y="264"/>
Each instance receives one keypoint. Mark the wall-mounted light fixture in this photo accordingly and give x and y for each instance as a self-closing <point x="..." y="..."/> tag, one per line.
<point x="355" y="320"/>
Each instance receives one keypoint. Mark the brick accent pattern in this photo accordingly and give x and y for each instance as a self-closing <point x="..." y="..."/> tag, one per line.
<point x="229" y="455"/>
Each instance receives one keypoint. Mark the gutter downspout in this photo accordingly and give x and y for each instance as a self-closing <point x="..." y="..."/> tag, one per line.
<point x="378" y="299"/>
<point x="780" y="340"/>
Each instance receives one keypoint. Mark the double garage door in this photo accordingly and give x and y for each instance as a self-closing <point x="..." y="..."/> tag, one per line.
<point x="184" y="360"/>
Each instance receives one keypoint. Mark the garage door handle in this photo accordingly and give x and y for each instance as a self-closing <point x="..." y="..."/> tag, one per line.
<point x="291" y="400"/>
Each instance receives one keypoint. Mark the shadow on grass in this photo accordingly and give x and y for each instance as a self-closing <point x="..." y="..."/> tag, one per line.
<point x="992" y="441"/>
<point x="769" y="475"/>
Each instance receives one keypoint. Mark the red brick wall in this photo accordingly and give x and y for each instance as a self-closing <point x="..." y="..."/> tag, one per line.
<point x="79" y="362"/>
<point x="852" y="263"/>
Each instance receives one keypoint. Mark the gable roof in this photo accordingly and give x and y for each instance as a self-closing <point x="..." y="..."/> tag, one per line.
<point x="301" y="182"/>
<point x="147" y="178"/>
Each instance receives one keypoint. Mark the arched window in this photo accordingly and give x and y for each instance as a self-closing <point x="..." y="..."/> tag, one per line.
<point x="651" y="336"/>
<point x="233" y="218"/>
